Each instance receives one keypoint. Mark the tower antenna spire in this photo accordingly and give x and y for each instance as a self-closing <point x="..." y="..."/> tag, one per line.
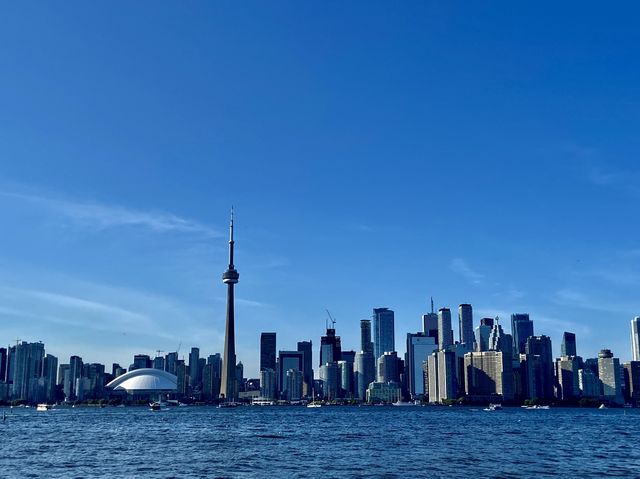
<point x="431" y="304"/>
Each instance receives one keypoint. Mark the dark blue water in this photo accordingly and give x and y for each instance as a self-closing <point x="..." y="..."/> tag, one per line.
<point x="273" y="442"/>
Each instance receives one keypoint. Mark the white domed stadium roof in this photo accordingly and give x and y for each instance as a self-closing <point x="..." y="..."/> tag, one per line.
<point x="145" y="379"/>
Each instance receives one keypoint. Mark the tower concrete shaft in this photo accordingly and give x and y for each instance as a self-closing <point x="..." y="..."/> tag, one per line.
<point x="229" y="382"/>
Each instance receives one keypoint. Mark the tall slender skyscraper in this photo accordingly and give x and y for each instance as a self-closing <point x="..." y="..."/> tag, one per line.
<point x="568" y="346"/>
<point x="465" y="324"/>
<point x="635" y="338"/>
<point x="268" y="351"/>
<point x="228" y="386"/>
<point x="383" y="330"/>
<point x="445" y="334"/>
<point x="521" y="330"/>
<point x="365" y="336"/>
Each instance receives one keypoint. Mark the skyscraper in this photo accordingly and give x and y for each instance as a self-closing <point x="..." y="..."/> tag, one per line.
<point x="288" y="360"/>
<point x="228" y="384"/>
<point x="383" y="331"/>
<point x="365" y="336"/>
<point x="28" y="366"/>
<point x="3" y="364"/>
<point x="539" y="369"/>
<point x="482" y="334"/>
<point x="268" y="351"/>
<point x="610" y="375"/>
<point x="568" y="346"/>
<point x="330" y="347"/>
<point x="306" y="348"/>
<point x="194" y="367"/>
<point x="419" y="348"/>
<point x="465" y="325"/>
<point x="521" y="329"/>
<point x="430" y="323"/>
<point x="445" y="333"/>
<point x="365" y="372"/>
<point x="635" y="338"/>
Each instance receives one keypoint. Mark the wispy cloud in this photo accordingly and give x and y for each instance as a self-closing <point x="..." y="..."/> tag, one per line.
<point x="103" y="216"/>
<point x="460" y="266"/>
<point x="612" y="176"/>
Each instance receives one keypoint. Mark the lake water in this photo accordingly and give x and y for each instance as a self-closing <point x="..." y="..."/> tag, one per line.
<point x="274" y="442"/>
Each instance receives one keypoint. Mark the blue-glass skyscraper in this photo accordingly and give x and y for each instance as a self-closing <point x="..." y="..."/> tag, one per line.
<point x="383" y="331"/>
<point x="521" y="329"/>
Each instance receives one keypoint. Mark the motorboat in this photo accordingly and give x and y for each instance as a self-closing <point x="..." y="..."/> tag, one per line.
<point x="157" y="406"/>
<point x="43" y="407"/>
<point x="493" y="407"/>
<point x="400" y="403"/>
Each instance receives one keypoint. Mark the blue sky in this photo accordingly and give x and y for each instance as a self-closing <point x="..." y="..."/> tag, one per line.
<point x="376" y="153"/>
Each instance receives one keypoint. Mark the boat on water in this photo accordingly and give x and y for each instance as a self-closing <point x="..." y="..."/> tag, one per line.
<point x="314" y="404"/>
<point x="157" y="406"/>
<point x="602" y="406"/>
<point x="493" y="407"/>
<point x="227" y="404"/>
<point x="263" y="402"/>
<point x="536" y="406"/>
<point x="44" y="407"/>
<point x="404" y="404"/>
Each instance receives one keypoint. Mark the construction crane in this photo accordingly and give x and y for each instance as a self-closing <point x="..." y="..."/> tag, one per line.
<point x="158" y="351"/>
<point x="333" y="321"/>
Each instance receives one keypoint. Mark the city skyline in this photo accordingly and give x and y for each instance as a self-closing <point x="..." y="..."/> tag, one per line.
<point x="423" y="150"/>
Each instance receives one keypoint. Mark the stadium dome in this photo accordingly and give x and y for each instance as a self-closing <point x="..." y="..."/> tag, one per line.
<point x="145" y="380"/>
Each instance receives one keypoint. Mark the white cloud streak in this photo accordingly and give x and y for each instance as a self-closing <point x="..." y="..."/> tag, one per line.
<point x="101" y="216"/>
<point x="460" y="266"/>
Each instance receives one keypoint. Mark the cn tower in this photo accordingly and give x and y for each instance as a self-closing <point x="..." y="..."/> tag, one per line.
<point x="229" y="386"/>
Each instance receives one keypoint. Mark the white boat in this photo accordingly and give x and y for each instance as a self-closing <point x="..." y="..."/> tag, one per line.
<point x="227" y="404"/>
<point x="602" y="406"/>
<point x="157" y="405"/>
<point x="314" y="404"/>
<point x="400" y="403"/>
<point x="43" y="407"/>
<point x="493" y="407"/>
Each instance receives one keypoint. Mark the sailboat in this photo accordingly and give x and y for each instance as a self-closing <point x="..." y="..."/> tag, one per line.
<point x="313" y="402"/>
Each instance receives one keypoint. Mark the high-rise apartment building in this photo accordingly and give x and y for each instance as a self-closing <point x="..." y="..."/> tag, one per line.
<point x="364" y="373"/>
<point x="465" y="325"/>
<point x="268" y="384"/>
<point x="365" y="336"/>
<point x="383" y="331"/>
<point x="568" y="382"/>
<point x="610" y="376"/>
<point x="488" y="375"/>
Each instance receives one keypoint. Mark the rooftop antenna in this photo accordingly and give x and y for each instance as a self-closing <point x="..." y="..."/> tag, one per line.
<point x="432" y="305"/>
